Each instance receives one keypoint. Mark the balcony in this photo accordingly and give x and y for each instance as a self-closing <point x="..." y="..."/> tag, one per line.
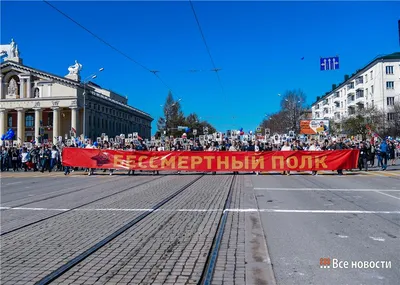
<point x="326" y="102"/>
<point x="360" y="105"/>
<point x="351" y="110"/>
<point x="350" y="86"/>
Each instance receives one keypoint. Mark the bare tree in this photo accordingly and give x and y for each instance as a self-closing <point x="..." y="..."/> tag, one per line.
<point x="393" y="120"/>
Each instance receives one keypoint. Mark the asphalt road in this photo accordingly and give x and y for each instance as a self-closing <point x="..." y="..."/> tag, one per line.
<point x="355" y="228"/>
<point x="277" y="228"/>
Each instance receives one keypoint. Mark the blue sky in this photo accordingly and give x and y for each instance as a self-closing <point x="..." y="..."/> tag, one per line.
<point x="258" y="45"/>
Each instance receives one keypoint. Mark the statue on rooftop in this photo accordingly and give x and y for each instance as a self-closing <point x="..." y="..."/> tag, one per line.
<point x="75" y="69"/>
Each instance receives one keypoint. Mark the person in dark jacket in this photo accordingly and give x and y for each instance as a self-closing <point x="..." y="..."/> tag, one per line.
<point x="339" y="145"/>
<point x="45" y="156"/>
<point x="14" y="158"/>
<point x="363" y="158"/>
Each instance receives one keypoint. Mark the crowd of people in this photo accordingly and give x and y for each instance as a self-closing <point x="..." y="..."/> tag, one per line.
<point x="49" y="157"/>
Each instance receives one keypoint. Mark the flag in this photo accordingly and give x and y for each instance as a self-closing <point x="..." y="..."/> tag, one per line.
<point x="73" y="129"/>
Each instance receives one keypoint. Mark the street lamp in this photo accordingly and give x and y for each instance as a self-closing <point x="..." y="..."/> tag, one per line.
<point x="85" y="82"/>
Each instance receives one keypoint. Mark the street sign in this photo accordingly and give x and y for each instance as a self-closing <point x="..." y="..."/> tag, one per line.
<point x="181" y="128"/>
<point x="258" y="129"/>
<point x="194" y="132"/>
<point x="329" y="63"/>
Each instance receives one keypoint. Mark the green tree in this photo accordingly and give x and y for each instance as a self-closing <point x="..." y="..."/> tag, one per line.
<point x="174" y="117"/>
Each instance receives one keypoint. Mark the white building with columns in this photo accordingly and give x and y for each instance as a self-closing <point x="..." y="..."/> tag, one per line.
<point x="41" y="106"/>
<point x="375" y="85"/>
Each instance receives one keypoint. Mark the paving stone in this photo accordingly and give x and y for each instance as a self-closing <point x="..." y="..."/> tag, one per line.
<point x="37" y="247"/>
<point x="146" y="240"/>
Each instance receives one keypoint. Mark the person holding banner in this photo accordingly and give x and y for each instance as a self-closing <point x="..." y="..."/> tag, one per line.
<point x="89" y="145"/>
<point x="213" y="147"/>
<point x="338" y="145"/>
<point x="314" y="147"/>
<point x="286" y="147"/>
<point x="131" y="148"/>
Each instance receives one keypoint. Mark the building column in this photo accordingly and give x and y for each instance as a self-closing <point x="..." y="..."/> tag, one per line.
<point x="3" y="120"/>
<point x="38" y="117"/>
<point x="22" y="88"/>
<point x="2" y="92"/>
<point x="28" y="88"/>
<point x="20" y="126"/>
<point x="74" y="119"/>
<point x="49" y="90"/>
<point x="56" y="124"/>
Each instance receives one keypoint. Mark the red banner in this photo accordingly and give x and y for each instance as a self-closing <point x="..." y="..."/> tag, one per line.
<point x="211" y="161"/>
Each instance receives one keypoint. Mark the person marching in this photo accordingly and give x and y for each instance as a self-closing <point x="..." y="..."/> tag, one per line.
<point x="286" y="147"/>
<point x="314" y="147"/>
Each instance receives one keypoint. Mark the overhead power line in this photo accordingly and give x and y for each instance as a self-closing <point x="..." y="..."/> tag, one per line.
<point x="108" y="44"/>
<point x="215" y="69"/>
<point x="205" y="43"/>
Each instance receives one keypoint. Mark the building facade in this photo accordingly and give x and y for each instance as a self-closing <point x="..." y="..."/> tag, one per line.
<point x="375" y="85"/>
<point x="42" y="106"/>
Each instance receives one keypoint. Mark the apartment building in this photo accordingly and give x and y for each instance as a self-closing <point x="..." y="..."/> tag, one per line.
<point x="377" y="84"/>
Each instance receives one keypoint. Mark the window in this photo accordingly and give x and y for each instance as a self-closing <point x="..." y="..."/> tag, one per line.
<point x="390" y="101"/>
<point x="372" y="89"/>
<point x="366" y="78"/>
<point x="390" y="116"/>
<point x="389" y="69"/>
<point x="10" y="120"/>
<point x="366" y="93"/>
<point x="372" y="103"/>
<point x="29" y="121"/>
<point x="341" y="104"/>
<point x="371" y="77"/>
<point x="389" y="84"/>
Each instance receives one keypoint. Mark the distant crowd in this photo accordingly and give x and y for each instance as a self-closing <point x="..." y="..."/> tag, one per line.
<point x="49" y="157"/>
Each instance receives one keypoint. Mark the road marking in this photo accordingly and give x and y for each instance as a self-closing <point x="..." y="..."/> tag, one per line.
<point x="387" y="195"/>
<point x="341" y="236"/>
<point x="314" y="211"/>
<point x="207" y="210"/>
<point x="385" y="173"/>
<point x="377" y="238"/>
<point x="39" y="209"/>
<point x="13" y="183"/>
<point x="323" y="189"/>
